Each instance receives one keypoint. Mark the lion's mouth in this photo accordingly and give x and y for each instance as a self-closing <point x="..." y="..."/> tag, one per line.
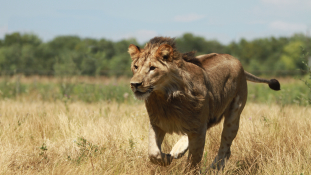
<point x="143" y="95"/>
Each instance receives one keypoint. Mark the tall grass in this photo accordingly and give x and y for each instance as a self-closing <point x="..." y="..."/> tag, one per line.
<point x="85" y="125"/>
<point x="293" y="91"/>
<point x="66" y="89"/>
<point x="111" y="138"/>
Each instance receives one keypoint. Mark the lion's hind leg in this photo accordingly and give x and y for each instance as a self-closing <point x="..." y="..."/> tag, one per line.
<point x="230" y="130"/>
<point x="180" y="148"/>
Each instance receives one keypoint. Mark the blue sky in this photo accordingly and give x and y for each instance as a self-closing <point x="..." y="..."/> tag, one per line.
<point x="222" y="20"/>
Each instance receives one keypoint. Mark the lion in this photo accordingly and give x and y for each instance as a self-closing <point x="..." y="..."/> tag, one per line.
<point x="187" y="95"/>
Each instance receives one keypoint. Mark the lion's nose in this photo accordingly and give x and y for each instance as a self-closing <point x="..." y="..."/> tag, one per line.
<point x="136" y="84"/>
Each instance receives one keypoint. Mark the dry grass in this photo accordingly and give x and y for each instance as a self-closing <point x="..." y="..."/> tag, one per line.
<point x="110" y="138"/>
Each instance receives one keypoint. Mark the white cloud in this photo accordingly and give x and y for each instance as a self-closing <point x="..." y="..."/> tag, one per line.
<point x="188" y="18"/>
<point x="285" y="26"/>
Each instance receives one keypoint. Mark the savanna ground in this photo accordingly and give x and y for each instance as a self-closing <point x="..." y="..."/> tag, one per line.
<point x="95" y="126"/>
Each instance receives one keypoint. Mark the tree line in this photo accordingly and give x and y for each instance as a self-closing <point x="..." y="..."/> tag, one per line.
<point x="71" y="55"/>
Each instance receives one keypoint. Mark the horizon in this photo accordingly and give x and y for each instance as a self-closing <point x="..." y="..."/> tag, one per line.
<point x="82" y="38"/>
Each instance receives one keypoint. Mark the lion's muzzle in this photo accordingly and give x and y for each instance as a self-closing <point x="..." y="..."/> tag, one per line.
<point x="136" y="84"/>
<point x="141" y="92"/>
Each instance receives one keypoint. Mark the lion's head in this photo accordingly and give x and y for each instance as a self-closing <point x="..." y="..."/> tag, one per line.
<point x="154" y="67"/>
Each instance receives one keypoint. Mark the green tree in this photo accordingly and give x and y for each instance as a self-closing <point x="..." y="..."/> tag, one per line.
<point x="65" y="65"/>
<point x="291" y="57"/>
<point x="10" y="58"/>
<point x="121" y="47"/>
<point x="188" y="42"/>
<point x="1" y="43"/>
<point x="107" y="47"/>
<point x="120" y="65"/>
<point x="45" y="59"/>
<point x="64" y="43"/>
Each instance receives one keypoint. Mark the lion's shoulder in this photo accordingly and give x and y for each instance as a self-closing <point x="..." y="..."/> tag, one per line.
<point x="190" y="57"/>
<point x="206" y="56"/>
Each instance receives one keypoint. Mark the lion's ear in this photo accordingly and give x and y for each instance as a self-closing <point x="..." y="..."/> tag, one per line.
<point x="165" y="52"/>
<point x="134" y="51"/>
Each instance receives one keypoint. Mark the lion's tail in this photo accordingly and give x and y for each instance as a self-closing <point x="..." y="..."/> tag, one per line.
<point x="273" y="83"/>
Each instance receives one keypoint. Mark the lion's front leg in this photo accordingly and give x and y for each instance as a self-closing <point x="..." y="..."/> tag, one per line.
<point x="196" y="146"/>
<point x="156" y="136"/>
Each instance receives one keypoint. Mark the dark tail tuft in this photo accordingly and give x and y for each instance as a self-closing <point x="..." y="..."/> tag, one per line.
<point x="274" y="84"/>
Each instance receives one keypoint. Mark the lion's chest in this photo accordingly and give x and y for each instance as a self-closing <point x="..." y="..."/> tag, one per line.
<point x="176" y="116"/>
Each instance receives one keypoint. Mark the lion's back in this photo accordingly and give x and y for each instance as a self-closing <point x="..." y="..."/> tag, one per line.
<point x="227" y="79"/>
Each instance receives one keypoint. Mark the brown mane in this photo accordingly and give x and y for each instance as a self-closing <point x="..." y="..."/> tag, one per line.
<point x="188" y="56"/>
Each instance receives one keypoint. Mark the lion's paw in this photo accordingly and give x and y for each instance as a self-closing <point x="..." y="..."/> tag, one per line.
<point x="180" y="148"/>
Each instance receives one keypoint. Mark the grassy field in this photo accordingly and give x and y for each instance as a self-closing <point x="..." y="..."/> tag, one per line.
<point x="71" y="135"/>
<point x="111" y="138"/>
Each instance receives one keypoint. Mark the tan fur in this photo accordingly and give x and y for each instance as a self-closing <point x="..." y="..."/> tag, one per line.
<point x="187" y="95"/>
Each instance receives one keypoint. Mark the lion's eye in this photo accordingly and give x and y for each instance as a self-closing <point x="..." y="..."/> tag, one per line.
<point x="136" y="67"/>
<point x="152" y="68"/>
